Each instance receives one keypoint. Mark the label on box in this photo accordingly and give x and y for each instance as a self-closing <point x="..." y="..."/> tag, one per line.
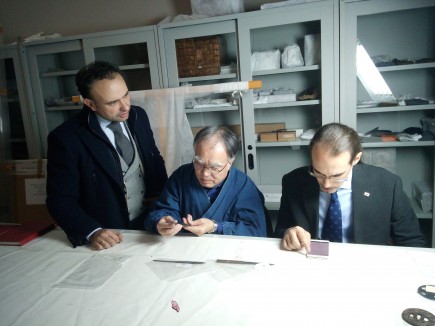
<point x="30" y="167"/>
<point x="35" y="191"/>
<point x="286" y="135"/>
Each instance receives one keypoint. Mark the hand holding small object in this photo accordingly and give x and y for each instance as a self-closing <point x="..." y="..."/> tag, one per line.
<point x="199" y="227"/>
<point x="168" y="226"/>
<point x="296" y="238"/>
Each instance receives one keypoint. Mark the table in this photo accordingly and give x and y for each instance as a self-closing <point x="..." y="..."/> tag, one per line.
<point x="47" y="282"/>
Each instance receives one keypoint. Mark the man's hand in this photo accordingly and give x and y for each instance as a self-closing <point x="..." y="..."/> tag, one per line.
<point x="168" y="226"/>
<point x="105" y="239"/>
<point x="199" y="226"/>
<point x="296" y="238"/>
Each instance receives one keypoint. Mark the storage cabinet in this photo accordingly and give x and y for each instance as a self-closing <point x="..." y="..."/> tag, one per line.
<point x="135" y="51"/>
<point x="243" y="34"/>
<point x="402" y="30"/>
<point x="17" y="138"/>
<point x="275" y="29"/>
<point x="53" y="64"/>
<point x="205" y="109"/>
<point x="52" y="68"/>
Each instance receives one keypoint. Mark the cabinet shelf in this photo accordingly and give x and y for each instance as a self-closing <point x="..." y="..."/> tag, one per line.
<point x="365" y="144"/>
<point x="213" y="109"/>
<point x="284" y="70"/>
<point x="205" y="78"/>
<point x="59" y="73"/>
<point x="63" y="108"/>
<point x="285" y="104"/>
<point x="17" y="140"/>
<point x="418" y="211"/>
<point x="135" y="67"/>
<point x="74" y="72"/>
<point x="408" y="67"/>
<point x="397" y="108"/>
<point x="13" y="100"/>
<point x="375" y="143"/>
<point x="296" y="143"/>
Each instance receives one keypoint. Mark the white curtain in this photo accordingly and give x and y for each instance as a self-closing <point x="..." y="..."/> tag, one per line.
<point x="166" y="111"/>
<point x="172" y="133"/>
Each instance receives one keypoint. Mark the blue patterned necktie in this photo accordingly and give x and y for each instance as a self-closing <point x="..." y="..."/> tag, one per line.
<point x="123" y="144"/>
<point x="332" y="227"/>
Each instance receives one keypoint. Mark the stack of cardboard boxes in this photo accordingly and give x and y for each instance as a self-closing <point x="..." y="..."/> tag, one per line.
<point x="267" y="132"/>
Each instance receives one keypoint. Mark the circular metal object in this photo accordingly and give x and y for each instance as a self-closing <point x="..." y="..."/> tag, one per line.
<point x="418" y="317"/>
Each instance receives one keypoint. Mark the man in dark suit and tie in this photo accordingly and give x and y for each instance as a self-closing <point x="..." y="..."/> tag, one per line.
<point x="341" y="199"/>
<point x="103" y="163"/>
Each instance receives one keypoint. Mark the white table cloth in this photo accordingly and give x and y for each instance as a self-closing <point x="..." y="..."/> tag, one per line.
<point x="47" y="282"/>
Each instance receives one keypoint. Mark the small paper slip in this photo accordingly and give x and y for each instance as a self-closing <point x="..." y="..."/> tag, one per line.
<point x="35" y="191"/>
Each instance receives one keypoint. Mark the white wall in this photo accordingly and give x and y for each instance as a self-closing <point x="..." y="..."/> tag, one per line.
<point x="23" y="18"/>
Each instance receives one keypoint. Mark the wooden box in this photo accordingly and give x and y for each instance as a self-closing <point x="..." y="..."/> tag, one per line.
<point x="199" y="56"/>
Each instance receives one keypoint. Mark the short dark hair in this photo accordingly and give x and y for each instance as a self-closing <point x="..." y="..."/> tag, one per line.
<point x="229" y="138"/>
<point x="338" y="138"/>
<point x="96" y="70"/>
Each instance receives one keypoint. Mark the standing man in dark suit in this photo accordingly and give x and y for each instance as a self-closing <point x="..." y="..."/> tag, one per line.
<point x="96" y="183"/>
<point x="372" y="206"/>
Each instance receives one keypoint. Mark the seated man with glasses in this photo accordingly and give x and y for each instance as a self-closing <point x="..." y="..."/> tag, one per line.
<point x="209" y="195"/>
<point x="339" y="198"/>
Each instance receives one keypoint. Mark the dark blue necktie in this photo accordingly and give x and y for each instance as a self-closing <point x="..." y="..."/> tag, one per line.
<point x="123" y="144"/>
<point x="332" y="227"/>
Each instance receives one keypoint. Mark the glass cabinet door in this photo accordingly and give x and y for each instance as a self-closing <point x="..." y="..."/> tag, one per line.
<point x="297" y="92"/>
<point x="13" y="138"/>
<point x="17" y="140"/>
<point x="397" y="40"/>
<point x="200" y="53"/>
<point x="133" y="50"/>
<point x="53" y="67"/>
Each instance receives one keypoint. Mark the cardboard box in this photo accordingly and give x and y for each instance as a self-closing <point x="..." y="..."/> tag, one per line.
<point x="286" y="135"/>
<point x="289" y="134"/>
<point x="268" y="136"/>
<point x="27" y="181"/>
<point x="259" y="128"/>
<point x="268" y="127"/>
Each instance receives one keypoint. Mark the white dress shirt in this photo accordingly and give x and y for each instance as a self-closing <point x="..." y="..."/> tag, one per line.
<point x="109" y="133"/>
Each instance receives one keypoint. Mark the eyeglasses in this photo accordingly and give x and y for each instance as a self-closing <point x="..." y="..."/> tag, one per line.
<point x="213" y="170"/>
<point x="323" y="177"/>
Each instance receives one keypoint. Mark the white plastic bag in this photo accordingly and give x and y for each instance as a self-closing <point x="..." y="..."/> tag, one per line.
<point x="312" y="49"/>
<point x="265" y="60"/>
<point x="217" y="8"/>
<point x="292" y="56"/>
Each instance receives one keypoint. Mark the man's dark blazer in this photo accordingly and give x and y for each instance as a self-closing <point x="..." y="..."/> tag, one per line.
<point x="85" y="188"/>
<point x="381" y="211"/>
